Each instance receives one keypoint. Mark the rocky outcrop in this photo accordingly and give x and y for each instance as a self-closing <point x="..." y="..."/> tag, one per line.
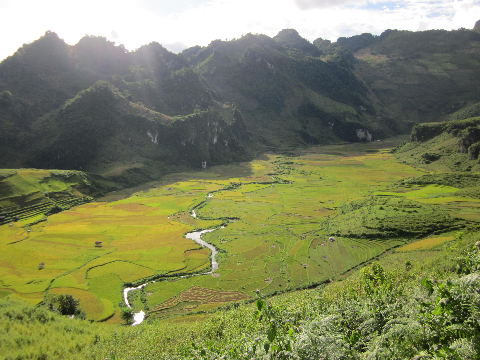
<point x="206" y="138"/>
<point x="364" y="135"/>
<point x="468" y="137"/>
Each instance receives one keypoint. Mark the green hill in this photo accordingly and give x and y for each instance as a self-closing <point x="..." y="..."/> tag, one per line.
<point x="287" y="97"/>
<point x="452" y="145"/>
<point x="100" y="128"/>
<point x="288" y="91"/>
<point x="29" y="195"/>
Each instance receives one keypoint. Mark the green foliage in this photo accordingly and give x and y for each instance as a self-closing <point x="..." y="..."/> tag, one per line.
<point x="450" y="314"/>
<point x="280" y="335"/>
<point x="357" y="42"/>
<point x="466" y="113"/>
<point x="126" y="314"/>
<point x="66" y="305"/>
<point x="28" y="332"/>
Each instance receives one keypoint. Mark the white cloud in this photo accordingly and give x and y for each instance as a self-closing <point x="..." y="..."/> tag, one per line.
<point x="175" y="47"/>
<point x="323" y="4"/>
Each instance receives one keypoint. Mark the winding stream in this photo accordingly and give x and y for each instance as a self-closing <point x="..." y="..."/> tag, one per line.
<point x="138" y="317"/>
<point x="195" y="236"/>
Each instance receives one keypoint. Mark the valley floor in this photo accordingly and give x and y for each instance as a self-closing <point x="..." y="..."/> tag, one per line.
<point x="288" y="222"/>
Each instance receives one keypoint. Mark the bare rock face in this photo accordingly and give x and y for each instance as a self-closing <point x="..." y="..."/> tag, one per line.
<point x="364" y="135"/>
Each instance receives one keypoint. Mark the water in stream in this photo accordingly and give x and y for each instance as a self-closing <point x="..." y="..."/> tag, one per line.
<point x="195" y="236"/>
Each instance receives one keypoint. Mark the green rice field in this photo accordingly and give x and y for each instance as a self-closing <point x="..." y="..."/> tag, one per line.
<point x="283" y="222"/>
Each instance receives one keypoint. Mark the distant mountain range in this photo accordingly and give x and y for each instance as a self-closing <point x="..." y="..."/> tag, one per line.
<point x="95" y="106"/>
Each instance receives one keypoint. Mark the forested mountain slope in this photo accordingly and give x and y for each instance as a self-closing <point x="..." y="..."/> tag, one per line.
<point x="419" y="76"/>
<point x="95" y="106"/>
<point x="451" y="145"/>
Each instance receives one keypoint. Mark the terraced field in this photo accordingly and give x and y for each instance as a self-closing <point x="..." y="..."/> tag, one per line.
<point x="29" y="195"/>
<point x="280" y="225"/>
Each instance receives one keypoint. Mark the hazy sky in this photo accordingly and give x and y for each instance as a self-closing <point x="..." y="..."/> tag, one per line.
<point x="178" y="24"/>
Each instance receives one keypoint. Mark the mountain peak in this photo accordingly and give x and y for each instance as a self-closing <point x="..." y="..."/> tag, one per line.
<point x="477" y="26"/>
<point x="290" y="38"/>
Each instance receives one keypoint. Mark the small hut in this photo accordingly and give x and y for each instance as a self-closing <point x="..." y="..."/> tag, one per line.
<point x="98" y="244"/>
<point x="331" y="238"/>
<point x="41" y="266"/>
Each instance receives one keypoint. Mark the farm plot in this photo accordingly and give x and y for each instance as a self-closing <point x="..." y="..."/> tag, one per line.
<point x="196" y="298"/>
<point x="426" y="244"/>
<point x="461" y="202"/>
<point x="28" y="194"/>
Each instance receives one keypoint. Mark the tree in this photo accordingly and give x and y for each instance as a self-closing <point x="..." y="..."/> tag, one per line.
<point x="127" y="315"/>
<point x="66" y="305"/>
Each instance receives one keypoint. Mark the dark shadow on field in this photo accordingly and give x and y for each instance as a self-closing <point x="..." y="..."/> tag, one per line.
<point x="263" y="157"/>
<point x="244" y="169"/>
<point x="352" y="149"/>
<point x="218" y="172"/>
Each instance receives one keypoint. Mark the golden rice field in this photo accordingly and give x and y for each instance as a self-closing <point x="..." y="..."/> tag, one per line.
<point x="277" y="237"/>
<point x="426" y="244"/>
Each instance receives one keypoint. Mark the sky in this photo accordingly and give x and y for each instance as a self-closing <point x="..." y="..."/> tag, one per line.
<point x="179" y="24"/>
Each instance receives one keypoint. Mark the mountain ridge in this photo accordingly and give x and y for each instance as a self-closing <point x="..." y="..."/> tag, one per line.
<point x="286" y="92"/>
